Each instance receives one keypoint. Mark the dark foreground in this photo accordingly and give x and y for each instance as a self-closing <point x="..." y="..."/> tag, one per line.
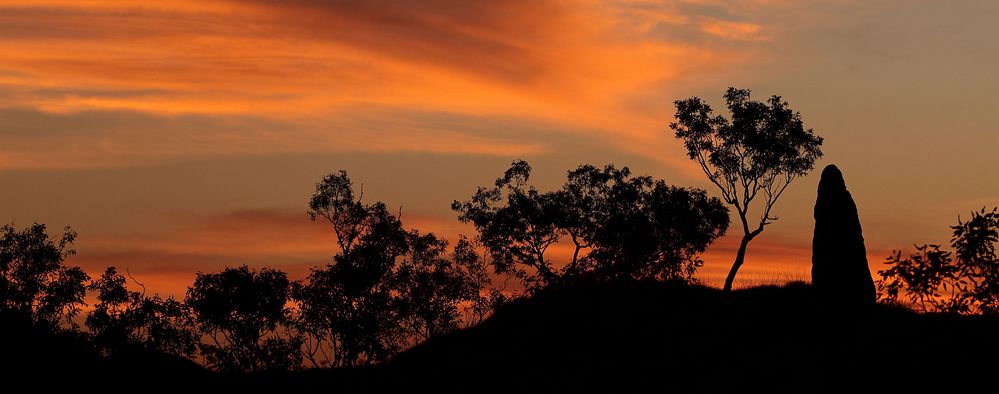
<point x="620" y="337"/>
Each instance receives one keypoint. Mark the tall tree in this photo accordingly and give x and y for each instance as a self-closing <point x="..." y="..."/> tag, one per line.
<point x="34" y="282"/>
<point x="348" y="307"/>
<point x="245" y="315"/>
<point x="758" y="153"/>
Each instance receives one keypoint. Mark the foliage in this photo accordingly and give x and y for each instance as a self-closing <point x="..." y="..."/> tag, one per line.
<point x="245" y="314"/>
<point x="334" y="201"/>
<point x="347" y="307"/>
<point x="963" y="281"/>
<point x="124" y="318"/>
<point x="638" y="227"/>
<point x="517" y="224"/>
<point x="759" y="152"/>
<point x="921" y="278"/>
<point x="34" y="282"/>
<point x="385" y="287"/>
<point x="630" y="226"/>
<point x="433" y="287"/>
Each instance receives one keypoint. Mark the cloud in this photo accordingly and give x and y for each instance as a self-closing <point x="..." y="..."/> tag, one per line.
<point x="742" y="31"/>
<point x="497" y="39"/>
<point x="577" y="65"/>
<point x="34" y="140"/>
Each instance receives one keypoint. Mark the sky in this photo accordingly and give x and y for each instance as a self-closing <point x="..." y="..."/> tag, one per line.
<point x="185" y="136"/>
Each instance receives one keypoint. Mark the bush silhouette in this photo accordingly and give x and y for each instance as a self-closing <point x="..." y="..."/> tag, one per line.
<point x="963" y="281"/>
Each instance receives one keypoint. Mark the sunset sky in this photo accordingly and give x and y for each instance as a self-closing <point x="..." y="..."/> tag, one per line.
<point x="188" y="135"/>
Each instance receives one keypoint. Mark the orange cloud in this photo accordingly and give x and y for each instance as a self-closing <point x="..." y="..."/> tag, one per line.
<point x="742" y="31"/>
<point x="95" y="139"/>
<point x="576" y="65"/>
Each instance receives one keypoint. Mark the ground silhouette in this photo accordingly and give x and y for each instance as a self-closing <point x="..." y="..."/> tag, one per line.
<point x="631" y="336"/>
<point x="35" y="356"/>
<point x="840" y="271"/>
<point x="608" y="336"/>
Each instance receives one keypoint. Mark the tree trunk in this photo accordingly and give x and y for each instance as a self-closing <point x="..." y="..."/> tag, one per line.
<point x="739" y="258"/>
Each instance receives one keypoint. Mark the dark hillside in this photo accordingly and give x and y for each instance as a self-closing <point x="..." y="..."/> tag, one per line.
<point x="649" y="336"/>
<point x="36" y="356"/>
<point x="630" y="336"/>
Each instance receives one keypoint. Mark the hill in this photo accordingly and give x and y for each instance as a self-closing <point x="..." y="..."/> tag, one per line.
<point x="649" y="336"/>
<point x="36" y="356"/>
<point x="614" y="337"/>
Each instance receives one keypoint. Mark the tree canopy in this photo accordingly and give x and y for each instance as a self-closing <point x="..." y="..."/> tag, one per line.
<point x="34" y="282"/>
<point x="619" y="225"/>
<point x="123" y="318"/>
<point x="245" y="314"/>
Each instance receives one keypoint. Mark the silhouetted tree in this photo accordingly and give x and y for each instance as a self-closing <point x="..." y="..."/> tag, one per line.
<point x="921" y="278"/>
<point x="34" y="283"/>
<point x="124" y="318"/>
<point x="433" y="286"/>
<point x="245" y="315"/>
<point x="963" y="281"/>
<point x="634" y="227"/>
<point x="517" y="224"/>
<point x="974" y="243"/>
<point x="386" y="286"/>
<point x="348" y="307"/>
<point x="761" y="150"/>
<point x="487" y="297"/>
<point x="637" y="227"/>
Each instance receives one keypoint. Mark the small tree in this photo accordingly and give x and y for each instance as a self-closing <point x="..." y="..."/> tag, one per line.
<point x="974" y="242"/>
<point x="245" y="315"/>
<point x="34" y="283"/>
<point x="928" y="279"/>
<point x="435" y="287"/>
<point x="760" y="151"/>
<point x="963" y="281"/>
<point x="127" y="319"/>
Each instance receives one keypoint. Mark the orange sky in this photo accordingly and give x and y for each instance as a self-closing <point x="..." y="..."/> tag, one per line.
<point x="187" y="135"/>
